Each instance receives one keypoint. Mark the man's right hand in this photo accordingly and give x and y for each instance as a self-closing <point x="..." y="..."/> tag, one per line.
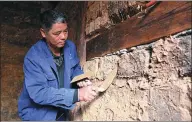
<point x="87" y="93"/>
<point x="84" y="83"/>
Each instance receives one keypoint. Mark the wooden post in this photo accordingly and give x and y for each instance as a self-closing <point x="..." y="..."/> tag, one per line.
<point x="82" y="41"/>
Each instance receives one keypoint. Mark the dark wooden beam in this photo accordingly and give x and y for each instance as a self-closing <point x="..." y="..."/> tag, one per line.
<point x="81" y="46"/>
<point x="166" y="18"/>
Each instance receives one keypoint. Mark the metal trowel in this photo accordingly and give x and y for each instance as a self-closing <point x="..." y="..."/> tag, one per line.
<point x="82" y="77"/>
<point x="107" y="82"/>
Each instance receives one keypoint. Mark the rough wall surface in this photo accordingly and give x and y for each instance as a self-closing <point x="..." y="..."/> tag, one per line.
<point x="101" y="15"/>
<point x="142" y="89"/>
<point x="153" y="83"/>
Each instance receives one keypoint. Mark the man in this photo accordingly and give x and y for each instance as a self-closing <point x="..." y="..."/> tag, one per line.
<point x="49" y="66"/>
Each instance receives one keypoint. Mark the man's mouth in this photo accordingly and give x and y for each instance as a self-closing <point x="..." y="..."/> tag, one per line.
<point x="61" y="43"/>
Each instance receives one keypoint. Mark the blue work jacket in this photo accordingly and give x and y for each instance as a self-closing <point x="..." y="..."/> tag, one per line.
<point x="41" y="98"/>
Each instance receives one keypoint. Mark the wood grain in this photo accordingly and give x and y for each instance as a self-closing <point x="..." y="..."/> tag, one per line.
<point x="166" y="18"/>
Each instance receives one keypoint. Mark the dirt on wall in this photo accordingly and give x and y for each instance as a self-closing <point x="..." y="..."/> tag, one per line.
<point x="153" y="83"/>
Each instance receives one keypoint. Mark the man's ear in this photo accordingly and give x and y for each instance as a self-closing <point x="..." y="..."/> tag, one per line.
<point x="42" y="32"/>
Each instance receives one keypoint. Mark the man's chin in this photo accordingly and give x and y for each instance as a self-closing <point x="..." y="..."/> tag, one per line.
<point x="61" y="45"/>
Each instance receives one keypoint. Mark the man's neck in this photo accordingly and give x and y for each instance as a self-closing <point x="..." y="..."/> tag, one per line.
<point x="55" y="51"/>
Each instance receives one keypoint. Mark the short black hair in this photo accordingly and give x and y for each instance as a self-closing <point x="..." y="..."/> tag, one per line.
<point x="50" y="17"/>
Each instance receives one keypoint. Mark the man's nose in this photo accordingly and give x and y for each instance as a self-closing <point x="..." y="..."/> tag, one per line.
<point x="63" y="36"/>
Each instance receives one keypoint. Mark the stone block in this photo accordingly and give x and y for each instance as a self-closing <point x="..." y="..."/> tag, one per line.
<point x="120" y="82"/>
<point x="134" y="64"/>
<point x="91" y="66"/>
<point x="106" y="65"/>
<point x="171" y="56"/>
<point x="91" y="26"/>
<point x="105" y="22"/>
<point x="164" y="103"/>
<point x="87" y="29"/>
<point x="97" y="23"/>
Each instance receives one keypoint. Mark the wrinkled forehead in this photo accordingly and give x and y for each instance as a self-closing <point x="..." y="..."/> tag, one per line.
<point x="58" y="27"/>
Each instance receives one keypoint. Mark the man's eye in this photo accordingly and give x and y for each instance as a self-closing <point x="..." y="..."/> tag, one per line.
<point x="57" y="33"/>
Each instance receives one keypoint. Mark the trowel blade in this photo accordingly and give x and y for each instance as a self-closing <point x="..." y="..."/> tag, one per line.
<point x="105" y="85"/>
<point x="82" y="76"/>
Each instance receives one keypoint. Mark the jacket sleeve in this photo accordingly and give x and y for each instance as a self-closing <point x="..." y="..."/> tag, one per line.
<point x="39" y="91"/>
<point x="76" y="68"/>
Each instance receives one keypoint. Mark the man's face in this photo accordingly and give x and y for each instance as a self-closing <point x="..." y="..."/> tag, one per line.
<point x="56" y="36"/>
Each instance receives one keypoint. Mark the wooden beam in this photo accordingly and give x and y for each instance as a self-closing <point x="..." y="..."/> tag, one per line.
<point x="81" y="42"/>
<point x="167" y="18"/>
